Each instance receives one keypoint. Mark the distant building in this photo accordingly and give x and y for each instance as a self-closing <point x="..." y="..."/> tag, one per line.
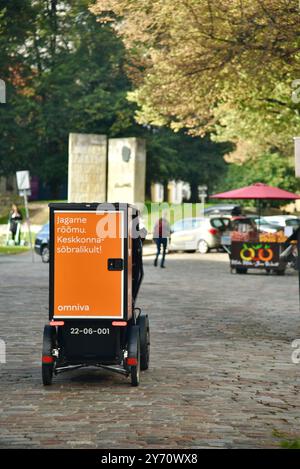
<point x="178" y="192"/>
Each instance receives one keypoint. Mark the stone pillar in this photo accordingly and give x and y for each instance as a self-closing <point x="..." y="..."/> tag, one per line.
<point x="126" y="170"/>
<point x="175" y="190"/>
<point x="87" y="168"/>
<point x="157" y="192"/>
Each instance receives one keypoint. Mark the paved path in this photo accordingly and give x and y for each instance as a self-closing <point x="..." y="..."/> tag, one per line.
<point x="221" y="373"/>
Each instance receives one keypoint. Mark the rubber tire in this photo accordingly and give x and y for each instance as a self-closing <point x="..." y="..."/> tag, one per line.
<point x="143" y="323"/>
<point x="241" y="270"/>
<point x="48" y="344"/>
<point x="45" y="254"/>
<point x="203" y="251"/>
<point x="135" y="370"/>
<point x="134" y="351"/>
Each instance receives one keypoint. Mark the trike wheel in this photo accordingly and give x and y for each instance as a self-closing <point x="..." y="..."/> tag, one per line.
<point x="135" y="369"/>
<point x="47" y="357"/>
<point x="134" y="355"/>
<point x="143" y="323"/>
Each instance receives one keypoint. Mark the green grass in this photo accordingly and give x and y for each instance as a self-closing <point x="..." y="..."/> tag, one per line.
<point x="154" y="210"/>
<point x="13" y="249"/>
<point x="290" y="444"/>
<point x="286" y="441"/>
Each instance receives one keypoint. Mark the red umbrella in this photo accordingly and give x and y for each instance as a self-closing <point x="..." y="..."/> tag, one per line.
<point x="257" y="191"/>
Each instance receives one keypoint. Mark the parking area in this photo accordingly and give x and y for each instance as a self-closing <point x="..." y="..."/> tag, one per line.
<point x="221" y="373"/>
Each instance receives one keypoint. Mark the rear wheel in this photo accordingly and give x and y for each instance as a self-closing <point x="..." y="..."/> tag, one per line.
<point x="134" y="355"/>
<point x="45" y="254"/>
<point x="203" y="247"/>
<point x="143" y="323"/>
<point x="47" y="357"/>
<point x="135" y="369"/>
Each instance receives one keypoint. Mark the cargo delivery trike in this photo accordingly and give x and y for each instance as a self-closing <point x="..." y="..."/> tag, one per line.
<point x="96" y="270"/>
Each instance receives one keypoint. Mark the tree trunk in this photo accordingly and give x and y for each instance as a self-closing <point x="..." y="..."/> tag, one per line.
<point x="194" y="192"/>
<point x="166" y="195"/>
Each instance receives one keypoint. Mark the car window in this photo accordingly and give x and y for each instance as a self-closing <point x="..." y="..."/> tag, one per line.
<point x="181" y="225"/>
<point x="292" y="222"/>
<point x="187" y="224"/>
<point x="178" y="226"/>
<point x="45" y="228"/>
<point x="196" y="223"/>
<point x="262" y="221"/>
<point x="217" y="223"/>
<point x="220" y="223"/>
<point x="226" y="222"/>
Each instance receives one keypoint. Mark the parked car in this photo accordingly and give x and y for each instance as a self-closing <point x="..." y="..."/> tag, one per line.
<point x="265" y="226"/>
<point x="222" y="209"/>
<point x="283" y="220"/>
<point x="197" y="234"/>
<point x="41" y="245"/>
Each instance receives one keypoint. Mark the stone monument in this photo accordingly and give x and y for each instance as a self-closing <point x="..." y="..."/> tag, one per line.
<point x="126" y="170"/>
<point x="87" y="168"/>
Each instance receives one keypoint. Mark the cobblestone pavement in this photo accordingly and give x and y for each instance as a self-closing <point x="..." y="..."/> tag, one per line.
<point x="221" y="372"/>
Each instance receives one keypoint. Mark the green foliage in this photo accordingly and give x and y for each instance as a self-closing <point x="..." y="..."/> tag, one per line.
<point x="13" y="249"/>
<point x="227" y="65"/>
<point x="178" y="156"/>
<point x="290" y="444"/>
<point x="66" y="72"/>
<point x="272" y="169"/>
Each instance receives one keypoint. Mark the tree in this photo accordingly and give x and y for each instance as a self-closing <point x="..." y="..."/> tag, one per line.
<point x="269" y="168"/>
<point x="15" y="29"/>
<point x="66" y="72"/>
<point x="215" y="64"/>
<point x="179" y="156"/>
<point x="203" y="162"/>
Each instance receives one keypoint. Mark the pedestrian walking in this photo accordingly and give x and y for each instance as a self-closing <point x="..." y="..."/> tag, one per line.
<point x="15" y="218"/>
<point x="161" y="233"/>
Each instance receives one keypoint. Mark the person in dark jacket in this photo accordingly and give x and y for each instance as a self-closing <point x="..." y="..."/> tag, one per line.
<point x="15" y="217"/>
<point x="161" y="233"/>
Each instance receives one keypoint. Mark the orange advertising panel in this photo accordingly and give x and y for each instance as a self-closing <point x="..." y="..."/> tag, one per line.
<point x="88" y="264"/>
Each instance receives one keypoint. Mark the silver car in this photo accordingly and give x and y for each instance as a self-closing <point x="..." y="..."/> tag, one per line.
<point x="198" y="234"/>
<point x="281" y="221"/>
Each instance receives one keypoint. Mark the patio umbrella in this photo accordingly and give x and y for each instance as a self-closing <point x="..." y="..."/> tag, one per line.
<point x="257" y="191"/>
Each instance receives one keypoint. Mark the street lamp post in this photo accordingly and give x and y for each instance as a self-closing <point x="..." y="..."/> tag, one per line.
<point x="23" y="183"/>
<point x="202" y="193"/>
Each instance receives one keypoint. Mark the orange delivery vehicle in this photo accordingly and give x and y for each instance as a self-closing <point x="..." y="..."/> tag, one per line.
<point x="96" y="270"/>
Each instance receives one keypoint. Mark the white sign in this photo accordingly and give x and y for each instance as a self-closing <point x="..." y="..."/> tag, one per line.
<point x="297" y="156"/>
<point x="23" y="180"/>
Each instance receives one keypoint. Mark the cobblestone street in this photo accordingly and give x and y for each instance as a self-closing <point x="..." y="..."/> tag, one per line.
<point x="221" y="373"/>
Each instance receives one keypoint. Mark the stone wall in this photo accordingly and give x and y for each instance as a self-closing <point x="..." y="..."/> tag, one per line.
<point x="126" y="170"/>
<point x="87" y="168"/>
